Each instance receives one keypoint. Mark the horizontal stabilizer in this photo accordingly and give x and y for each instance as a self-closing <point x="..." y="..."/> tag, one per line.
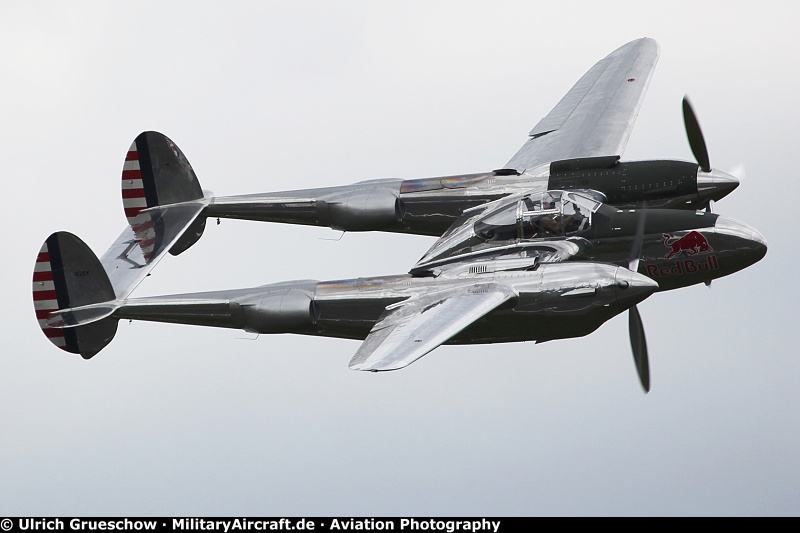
<point x="139" y="248"/>
<point x="73" y="317"/>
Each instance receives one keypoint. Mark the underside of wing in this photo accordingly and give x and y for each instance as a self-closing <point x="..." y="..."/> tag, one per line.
<point x="408" y="330"/>
<point x="596" y="116"/>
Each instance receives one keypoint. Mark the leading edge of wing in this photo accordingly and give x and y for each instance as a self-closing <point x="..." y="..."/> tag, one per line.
<point x="597" y="115"/>
<point x="409" y="330"/>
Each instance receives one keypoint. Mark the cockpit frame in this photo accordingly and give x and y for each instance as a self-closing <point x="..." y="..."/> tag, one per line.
<point x="541" y="215"/>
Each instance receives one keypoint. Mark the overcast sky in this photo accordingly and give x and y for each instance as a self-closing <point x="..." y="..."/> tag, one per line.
<point x="262" y="96"/>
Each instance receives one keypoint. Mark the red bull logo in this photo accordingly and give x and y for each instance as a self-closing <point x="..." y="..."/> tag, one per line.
<point x="692" y="243"/>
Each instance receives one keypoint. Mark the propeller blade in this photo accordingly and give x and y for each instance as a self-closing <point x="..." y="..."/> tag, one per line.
<point x="695" y="135"/>
<point x="638" y="241"/>
<point x="639" y="347"/>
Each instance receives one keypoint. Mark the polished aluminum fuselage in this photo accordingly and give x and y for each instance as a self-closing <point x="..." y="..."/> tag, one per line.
<point x="678" y="248"/>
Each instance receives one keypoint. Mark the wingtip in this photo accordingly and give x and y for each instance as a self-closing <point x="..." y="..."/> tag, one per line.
<point x="644" y="43"/>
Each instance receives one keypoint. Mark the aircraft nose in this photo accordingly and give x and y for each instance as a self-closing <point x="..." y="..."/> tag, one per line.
<point x="715" y="185"/>
<point x="754" y="242"/>
<point x="633" y="287"/>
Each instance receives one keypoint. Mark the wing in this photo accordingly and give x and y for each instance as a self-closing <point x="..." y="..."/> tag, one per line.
<point x="596" y="116"/>
<point x="410" y="329"/>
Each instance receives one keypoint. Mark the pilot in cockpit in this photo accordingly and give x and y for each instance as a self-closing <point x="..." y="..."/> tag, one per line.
<point x="573" y="223"/>
<point x="549" y="225"/>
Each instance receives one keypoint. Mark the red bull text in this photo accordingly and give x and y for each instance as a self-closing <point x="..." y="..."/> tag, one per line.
<point x="683" y="266"/>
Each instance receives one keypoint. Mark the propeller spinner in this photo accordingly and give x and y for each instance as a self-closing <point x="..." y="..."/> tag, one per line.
<point x="712" y="184"/>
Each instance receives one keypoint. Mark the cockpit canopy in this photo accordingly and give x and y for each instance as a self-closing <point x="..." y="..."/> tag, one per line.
<point x="539" y="215"/>
<point x="524" y="219"/>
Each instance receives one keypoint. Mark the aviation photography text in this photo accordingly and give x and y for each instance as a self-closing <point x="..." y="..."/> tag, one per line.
<point x="229" y="525"/>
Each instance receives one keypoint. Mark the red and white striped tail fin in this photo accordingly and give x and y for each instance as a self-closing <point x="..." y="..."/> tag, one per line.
<point x="134" y="200"/>
<point x="156" y="173"/>
<point x="133" y="195"/>
<point x="66" y="275"/>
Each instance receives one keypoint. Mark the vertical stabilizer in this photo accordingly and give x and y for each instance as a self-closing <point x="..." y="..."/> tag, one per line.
<point x="156" y="173"/>
<point x="67" y="274"/>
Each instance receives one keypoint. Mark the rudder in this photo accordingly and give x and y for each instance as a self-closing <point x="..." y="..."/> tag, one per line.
<point x="67" y="274"/>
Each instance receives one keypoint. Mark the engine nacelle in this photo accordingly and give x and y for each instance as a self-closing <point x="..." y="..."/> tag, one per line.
<point x="285" y="311"/>
<point x="361" y="210"/>
<point x="658" y="183"/>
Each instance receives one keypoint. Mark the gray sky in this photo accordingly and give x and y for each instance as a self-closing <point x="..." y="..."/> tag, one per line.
<point x="266" y="96"/>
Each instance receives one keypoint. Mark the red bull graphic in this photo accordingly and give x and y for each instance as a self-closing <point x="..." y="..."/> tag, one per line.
<point x="692" y="243"/>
